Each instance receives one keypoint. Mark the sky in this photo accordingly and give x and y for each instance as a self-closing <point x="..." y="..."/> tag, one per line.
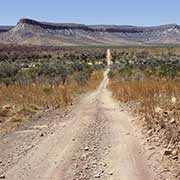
<point x="120" y="12"/>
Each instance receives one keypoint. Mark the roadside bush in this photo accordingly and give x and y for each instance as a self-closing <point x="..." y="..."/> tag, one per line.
<point x="8" y="72"/>
<point x="81" y="78"/>
<point x="111" y="74"/>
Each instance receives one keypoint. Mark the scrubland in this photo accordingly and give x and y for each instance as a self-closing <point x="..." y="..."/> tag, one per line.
<point x="33" y="79"/>
<point x="148" y="80"/>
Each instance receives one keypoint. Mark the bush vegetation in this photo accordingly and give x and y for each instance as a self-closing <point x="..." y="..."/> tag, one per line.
<point x="148" y="79"/>
<point x="35" y="78"/>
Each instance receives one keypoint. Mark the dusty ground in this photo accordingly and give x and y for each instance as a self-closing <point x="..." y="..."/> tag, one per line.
<point x="94" y="140"/>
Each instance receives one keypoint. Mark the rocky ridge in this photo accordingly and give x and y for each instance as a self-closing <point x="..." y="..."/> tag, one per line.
<point x="28" y="31"/>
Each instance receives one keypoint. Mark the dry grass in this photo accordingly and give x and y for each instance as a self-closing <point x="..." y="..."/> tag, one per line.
<point x="94" y="80"/>
<point x="44" y="95"/>
<point x="18" y="103"/>
<point x="158" y="103"/>
<point x="145" y="90"/>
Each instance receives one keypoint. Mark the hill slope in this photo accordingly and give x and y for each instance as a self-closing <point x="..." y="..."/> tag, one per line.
<point x="29" y="31"/>
<point x="5" y="28"/>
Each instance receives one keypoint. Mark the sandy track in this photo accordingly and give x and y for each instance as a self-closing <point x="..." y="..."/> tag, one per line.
<point x="96" y="141"/>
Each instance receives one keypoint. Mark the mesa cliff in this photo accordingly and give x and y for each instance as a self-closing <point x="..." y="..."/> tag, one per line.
<point x="28" y="31"/>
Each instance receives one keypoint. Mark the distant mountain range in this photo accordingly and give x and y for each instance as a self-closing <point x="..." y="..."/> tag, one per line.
<point x="28" y="31"/>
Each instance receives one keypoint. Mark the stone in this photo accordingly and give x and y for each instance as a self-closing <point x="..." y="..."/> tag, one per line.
<point x="2" y="176"/>
<point x="103" y="164"/>
<point x="174" y="152"/>
<point x="152" y="148"/>
<point x="110" y="173"/>
<point x="86" y="148"/>
<point x="172" y="121"/>
<point x="84" y="156"/>
<point x="6" y="107"/>
<point x="175" y="157"/>
<point x="150" y="132"/>
<point x="73" y="159"/>
<point x="97" y="175"/>
<point x="158" y="110"/>
<point x="173" y="100"/>
<point x="167" y="152"/>
<point x="86" y="167"/>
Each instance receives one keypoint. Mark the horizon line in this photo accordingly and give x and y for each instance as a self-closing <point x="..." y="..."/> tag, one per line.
<point x="89" y="24"/>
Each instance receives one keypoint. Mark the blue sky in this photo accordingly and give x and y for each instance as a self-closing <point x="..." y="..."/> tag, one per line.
<point x="131" y="12"/>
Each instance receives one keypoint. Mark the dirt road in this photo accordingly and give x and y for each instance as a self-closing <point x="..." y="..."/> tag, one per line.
<point x="95" y="141"/>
